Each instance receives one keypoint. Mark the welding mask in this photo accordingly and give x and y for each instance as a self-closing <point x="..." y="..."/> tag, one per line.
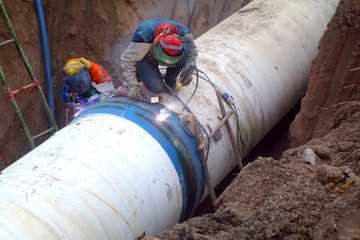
<point x="79" y="82"/>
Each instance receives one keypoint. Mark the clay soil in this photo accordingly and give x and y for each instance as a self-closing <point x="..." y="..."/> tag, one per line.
<point x="308" y="191"/>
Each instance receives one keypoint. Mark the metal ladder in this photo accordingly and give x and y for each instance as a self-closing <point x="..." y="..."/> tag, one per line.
<point x="32" y="86"/>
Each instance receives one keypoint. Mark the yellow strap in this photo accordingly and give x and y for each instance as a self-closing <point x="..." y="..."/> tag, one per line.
<point x="74" y="66"/>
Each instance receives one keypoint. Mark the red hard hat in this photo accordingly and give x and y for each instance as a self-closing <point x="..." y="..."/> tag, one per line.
<point x="163" y="27"/>
<point x="170" y="44"/>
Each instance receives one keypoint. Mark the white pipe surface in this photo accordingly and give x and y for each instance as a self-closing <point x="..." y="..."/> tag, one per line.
<point x="261" y="55"/>
<point x="100" y="187"/>
<point x="116" y="173"/>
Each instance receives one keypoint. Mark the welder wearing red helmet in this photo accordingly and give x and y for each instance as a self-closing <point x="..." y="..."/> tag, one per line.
<point x="158" y="42"/>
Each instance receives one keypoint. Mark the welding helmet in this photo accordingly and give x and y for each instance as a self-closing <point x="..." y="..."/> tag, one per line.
<point x="79" y="82"/>
<point x="167" y="49"/>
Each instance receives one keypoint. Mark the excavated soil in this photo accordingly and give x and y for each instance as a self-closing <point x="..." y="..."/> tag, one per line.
<point x="311" y="191"/>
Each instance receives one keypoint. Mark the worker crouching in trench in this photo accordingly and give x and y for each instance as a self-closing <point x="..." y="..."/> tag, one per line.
<point x="85" y="83"/>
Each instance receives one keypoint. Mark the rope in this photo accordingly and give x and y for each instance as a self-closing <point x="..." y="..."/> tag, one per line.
<point x="32" y="86"/>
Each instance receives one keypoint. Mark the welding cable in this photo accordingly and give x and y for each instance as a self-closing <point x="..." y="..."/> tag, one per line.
<point x="198" y="122"/>
<point x="196" y="86"/>
<point x="238" y="129"/>
<point x="206" y="78"/>
<point x="195" y="89"/>
<point x="239" y="135"/>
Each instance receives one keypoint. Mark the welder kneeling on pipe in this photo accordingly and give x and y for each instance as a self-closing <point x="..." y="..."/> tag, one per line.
<point x="158" y="42"/>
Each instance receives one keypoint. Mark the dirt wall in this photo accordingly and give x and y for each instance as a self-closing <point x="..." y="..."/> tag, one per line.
<point x="335" y="75"/>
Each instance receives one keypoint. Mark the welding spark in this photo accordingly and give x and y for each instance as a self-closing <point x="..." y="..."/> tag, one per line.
<point x="164" y="113"/>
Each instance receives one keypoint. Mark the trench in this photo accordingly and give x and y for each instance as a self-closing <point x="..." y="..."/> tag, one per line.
<point x="138" y="211"/>
<point x="272" y="145"/>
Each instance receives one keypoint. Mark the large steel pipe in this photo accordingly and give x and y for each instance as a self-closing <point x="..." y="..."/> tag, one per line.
<point x="116" y="172"/>
<point x="261" y="55"/>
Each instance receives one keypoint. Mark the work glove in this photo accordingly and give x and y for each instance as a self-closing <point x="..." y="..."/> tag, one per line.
<point x="135" y="93"/>
<point x="190" y="65"/>
<point x="106" y="88"/>
<point x="186" y="75"/>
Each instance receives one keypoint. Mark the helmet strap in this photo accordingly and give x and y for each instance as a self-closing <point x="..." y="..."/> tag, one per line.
<point x="165" y="30"/>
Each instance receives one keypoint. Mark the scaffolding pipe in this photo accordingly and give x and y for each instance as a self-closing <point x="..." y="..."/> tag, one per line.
<point x="46" y="53"/>
<point x="116" y="172"/>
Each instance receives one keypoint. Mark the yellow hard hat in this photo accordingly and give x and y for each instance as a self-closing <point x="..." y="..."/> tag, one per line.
<point x="74" y="66"/>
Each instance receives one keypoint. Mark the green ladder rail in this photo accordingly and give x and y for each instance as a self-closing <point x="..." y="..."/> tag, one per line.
<point x="33" y="85"/>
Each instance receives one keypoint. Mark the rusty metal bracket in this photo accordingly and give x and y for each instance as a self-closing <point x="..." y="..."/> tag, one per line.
<point x="228" y="127"/>
<point x="224" y="121"/>
<point x="194" y="127"/>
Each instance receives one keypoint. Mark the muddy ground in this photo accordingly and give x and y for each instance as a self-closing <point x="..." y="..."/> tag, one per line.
<point x="311" y="191"/>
